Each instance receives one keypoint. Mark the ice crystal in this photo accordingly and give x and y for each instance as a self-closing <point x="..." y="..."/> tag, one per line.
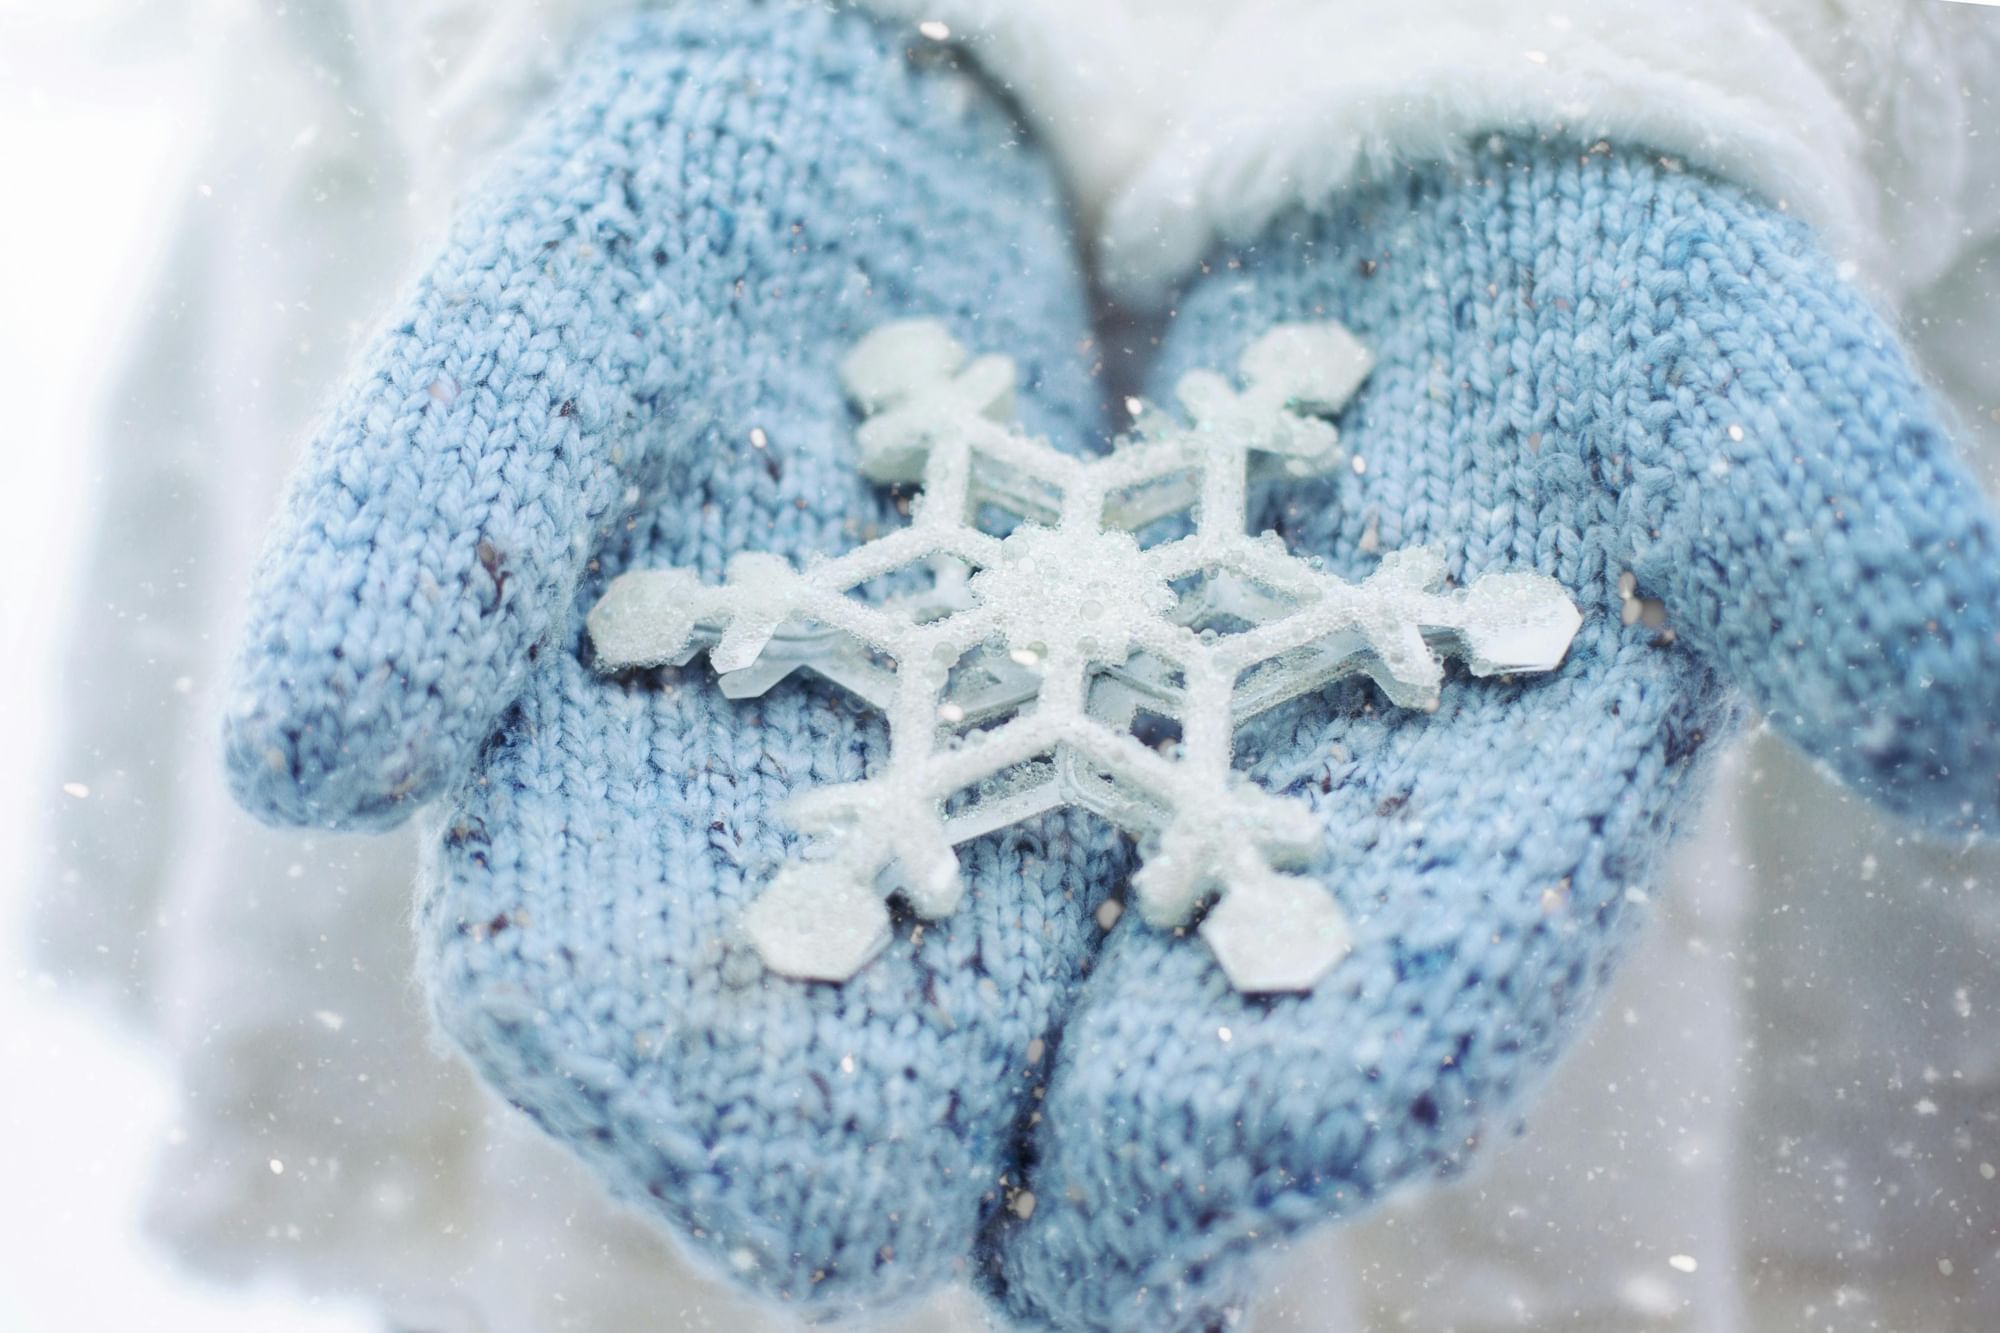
<point x="1124" y="594"/>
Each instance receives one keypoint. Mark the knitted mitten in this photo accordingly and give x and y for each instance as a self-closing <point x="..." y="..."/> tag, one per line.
<point x="626" y="355"/>
<point x="1655" y="389"/>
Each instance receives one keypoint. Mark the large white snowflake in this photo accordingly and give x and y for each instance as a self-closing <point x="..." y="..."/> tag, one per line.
<point x="1047" y="666"/>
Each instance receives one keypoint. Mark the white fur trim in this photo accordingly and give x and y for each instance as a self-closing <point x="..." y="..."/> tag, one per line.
<point x="1180" y="123"/>
<point x="1196" y="120"/>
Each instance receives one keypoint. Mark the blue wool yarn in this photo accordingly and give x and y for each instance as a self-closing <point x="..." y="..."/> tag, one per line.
<point x="625" y="355"/>
<point x="1657" y="390"/>
<point x="718" y="207"/>
<point x="1634" y="379"/>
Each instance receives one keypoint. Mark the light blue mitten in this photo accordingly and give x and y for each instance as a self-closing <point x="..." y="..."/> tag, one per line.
<point x="625" y="355"/>
<point x="1658" y="391"/>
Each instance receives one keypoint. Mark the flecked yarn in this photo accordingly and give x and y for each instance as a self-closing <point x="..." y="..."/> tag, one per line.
<point x="1655" y="389"/>
<point x="1631" y="378"/>
<point x="625" y="354"/>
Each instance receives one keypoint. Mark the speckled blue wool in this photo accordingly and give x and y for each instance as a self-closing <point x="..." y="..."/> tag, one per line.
<point x="1636" y="380"/>
<point x="1594" y="366"/>
<point x="626" y="354"/>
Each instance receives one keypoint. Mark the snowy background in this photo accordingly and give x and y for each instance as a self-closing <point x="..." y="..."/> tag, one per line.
<point x="99" y="107"/>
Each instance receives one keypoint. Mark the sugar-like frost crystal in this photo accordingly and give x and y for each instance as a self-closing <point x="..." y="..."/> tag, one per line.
<point x="1013" y="683"/>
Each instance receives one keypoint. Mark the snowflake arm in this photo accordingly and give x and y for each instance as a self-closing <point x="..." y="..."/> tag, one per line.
<point x="1011" y="687"/>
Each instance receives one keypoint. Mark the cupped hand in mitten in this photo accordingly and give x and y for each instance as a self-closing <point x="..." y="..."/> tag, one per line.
<point x="625" y="356"/>
<point x="1658" y="391"/>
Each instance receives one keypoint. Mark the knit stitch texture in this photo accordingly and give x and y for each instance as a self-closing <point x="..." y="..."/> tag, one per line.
<point x="1636" y="380"/>
<point x="716" y="206"/>
<point x="1657" y="390"/>
<point x="626" y="355"/>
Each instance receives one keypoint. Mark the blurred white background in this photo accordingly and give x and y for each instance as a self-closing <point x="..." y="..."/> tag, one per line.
<point x="99" y="120"/>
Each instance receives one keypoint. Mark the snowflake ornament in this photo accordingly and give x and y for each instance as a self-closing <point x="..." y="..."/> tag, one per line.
<point x="1023" y="678"/>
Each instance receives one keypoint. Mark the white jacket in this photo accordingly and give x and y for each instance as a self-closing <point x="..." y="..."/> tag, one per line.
<point x="277" y="967"/>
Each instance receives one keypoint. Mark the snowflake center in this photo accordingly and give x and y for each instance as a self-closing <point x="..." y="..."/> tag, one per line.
<point x="1064" y="586"/>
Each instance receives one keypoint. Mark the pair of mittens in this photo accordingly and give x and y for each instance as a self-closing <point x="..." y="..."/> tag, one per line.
<point x="1644" y="384"/>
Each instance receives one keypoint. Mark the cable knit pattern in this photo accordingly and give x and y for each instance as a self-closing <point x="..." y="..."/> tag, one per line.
<point x="1656" y="390"/>
<point x="626" y="354"/>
